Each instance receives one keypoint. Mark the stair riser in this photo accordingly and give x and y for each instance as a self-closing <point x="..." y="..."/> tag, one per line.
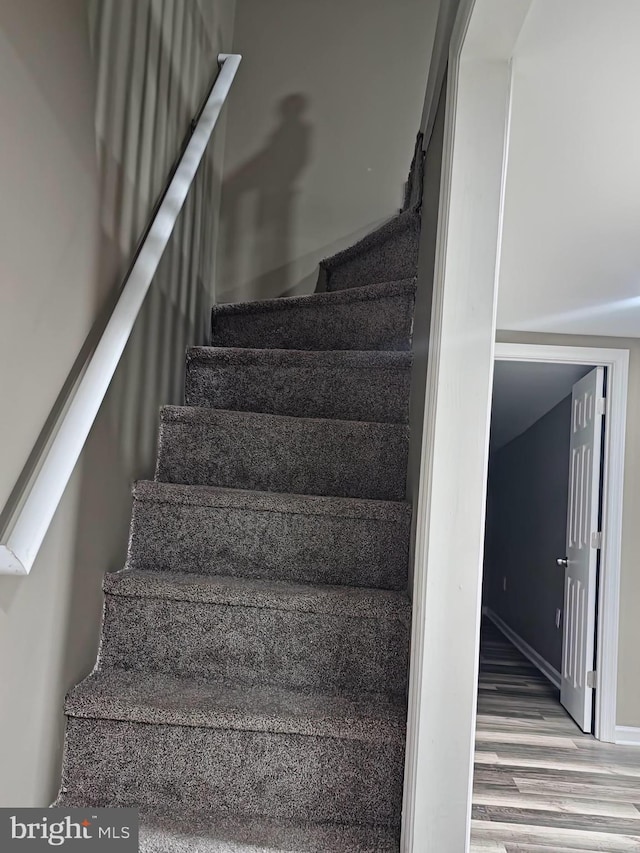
<point x="252" y="644"/>
<point x="265" y="544"/>
<point x="290" y="777"/>
<point x="335" y="458"/>
<point x="262" y="835"/>
<point x="301" y="391"/>
<point x="396" y="258"/>
<point x="383" y="324"/>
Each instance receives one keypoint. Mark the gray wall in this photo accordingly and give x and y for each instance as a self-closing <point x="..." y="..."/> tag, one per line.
<point x="117" y="80"/>
<point x="320" y="135"/>
<point x="527" y="494"/>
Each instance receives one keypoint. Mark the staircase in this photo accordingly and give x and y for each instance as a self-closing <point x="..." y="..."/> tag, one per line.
<point x="249" y="693"/>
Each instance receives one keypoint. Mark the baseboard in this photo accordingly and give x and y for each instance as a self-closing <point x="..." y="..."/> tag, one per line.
<point x="628" y="735"/>
<point x="536" y="659"/>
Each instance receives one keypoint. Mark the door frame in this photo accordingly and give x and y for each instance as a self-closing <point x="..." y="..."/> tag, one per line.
<point x="608" y="606"/>
<point x="450" y="510"/>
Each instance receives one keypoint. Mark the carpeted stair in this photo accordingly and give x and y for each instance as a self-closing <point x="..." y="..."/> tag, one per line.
<point x="349" y="386"/>
<point x="373" y="317"/>
<point x="251" y="534"/>
<point x="308" y="456"/>
<point x="389" y="253"/>
<point x="250" y="689"/>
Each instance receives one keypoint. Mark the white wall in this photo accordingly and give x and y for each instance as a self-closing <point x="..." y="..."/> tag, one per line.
<point x="68" y="220"/>
<point x="570" y="250"/>
<point x="333" y="166"/>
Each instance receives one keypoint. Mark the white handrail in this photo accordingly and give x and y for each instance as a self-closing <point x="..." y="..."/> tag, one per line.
<point x="27" y="528"/>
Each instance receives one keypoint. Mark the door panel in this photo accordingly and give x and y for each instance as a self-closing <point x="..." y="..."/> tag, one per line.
<point x="582" y="558"/>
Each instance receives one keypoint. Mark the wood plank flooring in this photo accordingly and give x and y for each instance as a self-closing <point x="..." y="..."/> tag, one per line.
<point x="540" y="784"/>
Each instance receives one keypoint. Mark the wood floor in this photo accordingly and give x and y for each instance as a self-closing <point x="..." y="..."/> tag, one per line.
<point x="541" y="784"/>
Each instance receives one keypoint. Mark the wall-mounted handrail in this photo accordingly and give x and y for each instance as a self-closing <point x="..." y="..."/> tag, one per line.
<point x="30" y="520"/>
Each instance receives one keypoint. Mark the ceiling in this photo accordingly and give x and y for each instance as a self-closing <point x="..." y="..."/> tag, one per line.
<point x="525" y="391"/>
<point x="571" y="241"/>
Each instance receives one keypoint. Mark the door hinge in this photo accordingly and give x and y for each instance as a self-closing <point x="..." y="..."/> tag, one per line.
<point x="601" y="406"/>
<point x="596" y="539"/>
<point x="591" y="678"/>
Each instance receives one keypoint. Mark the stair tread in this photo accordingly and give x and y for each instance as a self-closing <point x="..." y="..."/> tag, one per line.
<point x="195" y="414"/>
<point x="356" y="602"/>
<point x="204" y="833"/>
<point x="282" y="502"/>
<point x="164" y="699"/>
<point x="379" y="290"/>
<point x="362" y="359"/>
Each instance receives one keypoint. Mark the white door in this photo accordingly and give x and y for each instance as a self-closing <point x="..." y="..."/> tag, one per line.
<point x="580" y="563"/>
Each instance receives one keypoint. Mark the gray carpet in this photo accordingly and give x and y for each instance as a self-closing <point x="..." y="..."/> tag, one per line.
<point x="372" y="317"/>
<point x="250" y="689"/>
<point x="346" y="385"/>
<point x="276" y="453"/>
<point x="387" y="254"/>
<point x="304" y="538"/>
<point x="193" y="835"/>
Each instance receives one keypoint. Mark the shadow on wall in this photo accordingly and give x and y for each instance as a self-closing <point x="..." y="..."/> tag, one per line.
<point x="154" y="63"/>
<point x="261" y="194"/>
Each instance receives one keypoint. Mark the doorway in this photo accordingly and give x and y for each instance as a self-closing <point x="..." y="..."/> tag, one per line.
<point x="543" y="500"/>
<point x="607" y="524"/>
<point x="535" y="713"/>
